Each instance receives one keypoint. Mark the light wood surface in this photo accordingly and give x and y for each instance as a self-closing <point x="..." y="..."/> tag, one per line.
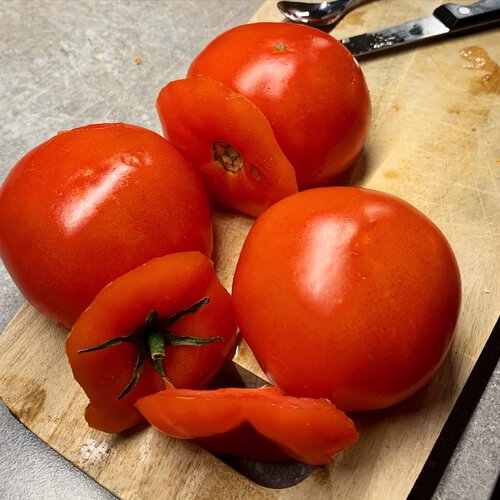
<point x="434" y="141"/>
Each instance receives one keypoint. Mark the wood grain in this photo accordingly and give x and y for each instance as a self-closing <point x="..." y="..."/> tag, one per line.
<point x="434" y="141"/>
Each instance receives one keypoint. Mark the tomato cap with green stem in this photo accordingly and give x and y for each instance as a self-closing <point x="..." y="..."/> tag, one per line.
<point x="151" y="339"/>
<point x="116" y="337"/>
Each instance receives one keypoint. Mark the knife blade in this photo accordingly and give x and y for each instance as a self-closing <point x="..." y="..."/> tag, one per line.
<point x="445" y="20"/>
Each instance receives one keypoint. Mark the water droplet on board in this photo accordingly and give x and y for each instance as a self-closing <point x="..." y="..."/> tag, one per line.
<point x="479" y="59"/>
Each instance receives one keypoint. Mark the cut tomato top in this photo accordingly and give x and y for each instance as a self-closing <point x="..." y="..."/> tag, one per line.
<point x="228" y="139"/>
<point x="306" y="429"/>
<point x="165" y="300"/>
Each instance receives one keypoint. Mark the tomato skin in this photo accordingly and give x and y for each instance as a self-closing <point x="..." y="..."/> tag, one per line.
<point x="198" y="114"/>
<point x="307" y="84"/>
<point x="89" y="205"/>
<point x="349" y="294"/>
<point x="309" y="430"/>
<point x="166" y="284"/>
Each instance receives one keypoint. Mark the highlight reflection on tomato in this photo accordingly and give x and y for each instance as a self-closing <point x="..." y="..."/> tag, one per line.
<point x="92" y="203"/>
<point x="348" y="294"/>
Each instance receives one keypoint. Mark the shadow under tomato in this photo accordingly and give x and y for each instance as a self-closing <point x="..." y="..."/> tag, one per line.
<point x="277" y="475"/>
<point x="358" y="172"/>
<point x="264" y="463"/>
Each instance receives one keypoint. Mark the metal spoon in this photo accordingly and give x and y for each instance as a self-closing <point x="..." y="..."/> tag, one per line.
<point x="317" y="14"/>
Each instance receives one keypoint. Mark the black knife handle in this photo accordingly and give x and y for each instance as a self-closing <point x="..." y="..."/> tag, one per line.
<point x="458" y="17"/>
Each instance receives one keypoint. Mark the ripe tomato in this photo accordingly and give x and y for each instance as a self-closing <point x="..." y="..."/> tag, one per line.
<point x="175" y="287"/>
<point x="229" y="141"/>
<point x="308" y="86"/>
<point x="310" y="430"/>
<point x="92" y="203"/>
<point x="349" y="294"/>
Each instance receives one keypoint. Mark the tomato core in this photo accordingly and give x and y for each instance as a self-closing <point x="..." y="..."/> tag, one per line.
<point x="280" y="47"/>
<point x="227" y="156"/>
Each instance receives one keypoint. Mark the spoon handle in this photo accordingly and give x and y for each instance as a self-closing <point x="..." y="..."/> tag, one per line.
<point x="353" y="3"/>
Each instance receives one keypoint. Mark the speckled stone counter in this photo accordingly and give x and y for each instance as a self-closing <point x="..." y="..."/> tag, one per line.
<point x="69" y="63"/>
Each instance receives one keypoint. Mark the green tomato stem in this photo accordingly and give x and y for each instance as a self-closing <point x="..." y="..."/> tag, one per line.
<point x="152" y="339"/>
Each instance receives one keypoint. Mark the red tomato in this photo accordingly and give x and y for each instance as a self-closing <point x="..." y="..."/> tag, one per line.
<point x="348" y="294"/>
<point x="229" y="141"/>
<point x="168" y="285"/>
<point x="92" y="203"/>
<point x="306" y="429"/>
<point x="308" y="86"/>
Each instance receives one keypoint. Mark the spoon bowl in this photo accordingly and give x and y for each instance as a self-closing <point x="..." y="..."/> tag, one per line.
<point x="317" y="14"/>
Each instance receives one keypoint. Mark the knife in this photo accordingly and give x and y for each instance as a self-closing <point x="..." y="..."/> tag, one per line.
<point x="445" y="20"/>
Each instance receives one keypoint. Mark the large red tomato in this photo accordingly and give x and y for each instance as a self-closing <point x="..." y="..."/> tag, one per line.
<point x="92" y="203"/>
<point x="349" y="294"/>
<point x="307" y="84"/>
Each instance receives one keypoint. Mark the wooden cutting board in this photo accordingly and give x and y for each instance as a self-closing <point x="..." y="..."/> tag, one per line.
<point x="434" y="141"/>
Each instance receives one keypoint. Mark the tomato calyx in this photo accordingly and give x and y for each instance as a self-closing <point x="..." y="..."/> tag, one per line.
<point x="227" y="156"/>
<point x="152" y="338"/>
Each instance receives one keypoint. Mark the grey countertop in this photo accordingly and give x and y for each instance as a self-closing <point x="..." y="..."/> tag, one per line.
<point x="65" y="63"/>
